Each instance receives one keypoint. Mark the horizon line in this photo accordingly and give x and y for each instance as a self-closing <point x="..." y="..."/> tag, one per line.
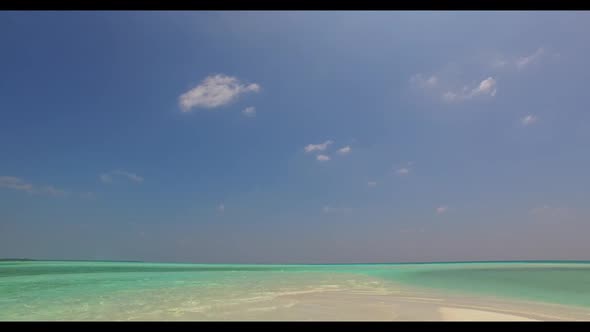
<point x="351" y="263"/>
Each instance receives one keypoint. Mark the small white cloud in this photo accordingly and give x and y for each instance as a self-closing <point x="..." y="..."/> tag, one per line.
<point x="528" y="120"/>
<point x="215" y="91"/>
<point x="249" y="112"/>
<point x="442" y="209"/>
<point x="435" y="85"/>
<point x="221" y="208"/>
<point x="322" y="157"/>
<point x="487" y="87"/>
<point x="50" y="190"/>
<point x="450" y="96"/>
<point x="15" y="183"/>
<point x="431" y="81"/>
<point x="499" y="63"/>
<point x="403" y="171"/>
<point x="524" y="61"/>
<point x="371" y="184"/>
<point x="521" y="62"/>
<point x="423" y="82"/>
<point x="318" y="147"/>
<point x="345" y="150"/>
<point x="108" y="177"/>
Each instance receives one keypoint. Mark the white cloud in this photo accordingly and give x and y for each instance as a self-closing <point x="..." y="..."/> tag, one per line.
<point x="329" y="209"/>
<point x="521" y="62"/>
<point x="403" y="171"/>
<point x="528" y="120"/>
<point x="249" y="111"/>
<point x="442" y="209"/>
<point x="50" y="190"/>
<point x="215" y="91"/>
<point x="420" y="81"/>
<point x="108" y="177"/>
<point x="318" y="147"/>
<point x="15" y="183"/>
<point x="322" y="157"/>
<point x="487" y="87"/>
<point x="345" y="150"/>
<point x="372" y="184"/>
<point x="221" y="208"/>
<point x="524" y="61"/>
<point x="450" y="93"/>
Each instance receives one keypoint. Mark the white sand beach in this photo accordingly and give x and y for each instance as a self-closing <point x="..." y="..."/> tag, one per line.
<point x="346" y="305"/>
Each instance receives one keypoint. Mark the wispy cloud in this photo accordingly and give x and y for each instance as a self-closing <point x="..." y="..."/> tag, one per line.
<point x="323" y="157"/>
<point x="108" y="177"/>
<point x="424" y="82"/>
<point x="371" y="184"/>
<point x="487" y="87"/>
<point x="442" y="209"/>
<point x="14" y="183"/>
<point x="449" y="92"/>
<point x="524" y="61"/>
<point x="52" y="191"/>
<point x="405" y="169"/>
<point x="345" y="150"/>
<point x="215" y="91"/>
<point x="520" y="62"/>
<point x="528" y="120"/>
<point x="249" y="112"/>
<point x="402" y="171"/>
<point x="221" y="208"/>
<point x="318" y="147"/>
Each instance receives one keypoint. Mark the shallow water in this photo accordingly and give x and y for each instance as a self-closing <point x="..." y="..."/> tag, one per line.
<point x="44" y="290"/>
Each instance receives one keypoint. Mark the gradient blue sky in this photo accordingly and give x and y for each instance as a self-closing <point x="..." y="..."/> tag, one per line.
<point x="450" y="136"/>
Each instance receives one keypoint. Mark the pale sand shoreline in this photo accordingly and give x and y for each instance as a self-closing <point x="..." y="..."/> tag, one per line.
<point x="368" y="305"/>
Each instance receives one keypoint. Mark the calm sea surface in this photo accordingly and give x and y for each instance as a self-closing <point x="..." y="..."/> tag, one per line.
<point x="65" y="290"/>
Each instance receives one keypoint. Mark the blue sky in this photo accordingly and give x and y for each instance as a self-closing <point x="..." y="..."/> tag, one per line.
<point x="294" y="136"/>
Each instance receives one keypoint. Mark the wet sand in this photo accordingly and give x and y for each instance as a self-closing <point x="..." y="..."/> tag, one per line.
<point x="370" y="305"/>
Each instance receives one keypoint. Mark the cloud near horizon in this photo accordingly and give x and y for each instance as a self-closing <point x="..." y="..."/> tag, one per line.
<point x="19" y="184"/>
<point x="215" y="91"/>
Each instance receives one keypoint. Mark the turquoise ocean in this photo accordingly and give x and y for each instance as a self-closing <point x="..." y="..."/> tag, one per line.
<point x="76" y="290"/>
